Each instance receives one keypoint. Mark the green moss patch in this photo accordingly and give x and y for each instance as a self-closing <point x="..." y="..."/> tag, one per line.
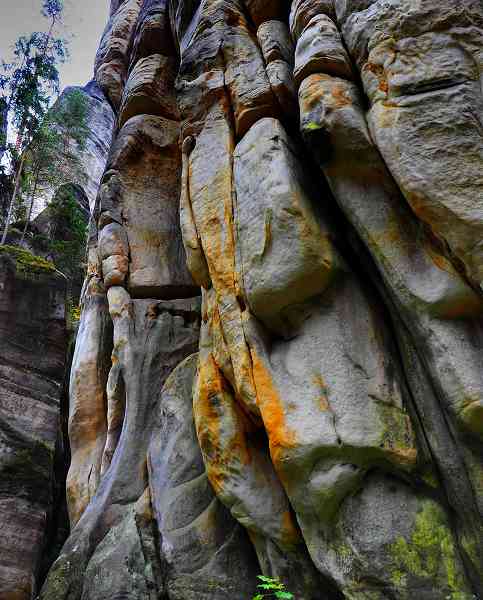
<point x="429" y="554"/>
<point x="27" y="262"/>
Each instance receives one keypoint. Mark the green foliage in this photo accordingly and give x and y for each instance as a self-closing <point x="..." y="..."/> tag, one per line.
<point x="28" y="262"/>
<point x="27" y="85"/>
<point x="68" y="237"/>
<point x="272" y="588"/>
<point x="53" y="156"/>
<point x="70" y="116"/>
<point x="52" y="8"/>
<point x="75" y="313"/>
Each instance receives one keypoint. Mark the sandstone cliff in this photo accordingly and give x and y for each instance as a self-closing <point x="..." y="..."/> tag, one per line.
<point x="32" y="365"/>
<point x="278" y="366"/>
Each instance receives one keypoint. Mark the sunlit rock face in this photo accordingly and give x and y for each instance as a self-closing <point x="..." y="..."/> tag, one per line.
<point x="279" y="363"/>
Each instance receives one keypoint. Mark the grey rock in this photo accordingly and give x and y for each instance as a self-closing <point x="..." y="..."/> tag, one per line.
<point x="87" y="412"/>
<point x="150" y="338"/>
<point x="281" y="80"/>
<point x="143" y="185"/>
<point x="149" y="89"/>
<point x="437" y="307"/>
<point x="111" y="64"/>
<point x="330" y="426"/>
<point x="275" y="42"/>
<point x="320" y="49"/>
<point x="285" y="252"/>
<point x="206" y="553"/>
<point x="32" y="360"/>
<point x="303" y="11"/>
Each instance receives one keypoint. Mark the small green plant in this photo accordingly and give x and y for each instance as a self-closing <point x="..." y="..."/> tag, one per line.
<point x="272" y="588"/>
<point x="28" y="262"/>
<point x="74" y="312"/>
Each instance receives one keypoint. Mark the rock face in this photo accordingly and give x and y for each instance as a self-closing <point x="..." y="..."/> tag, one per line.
<point x="32" y="365"/>
<point x="278" y="367"/>
<point x="92" y="158"/>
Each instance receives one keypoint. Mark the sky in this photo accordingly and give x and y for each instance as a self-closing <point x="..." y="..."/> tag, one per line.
<point x="84" y="22"/>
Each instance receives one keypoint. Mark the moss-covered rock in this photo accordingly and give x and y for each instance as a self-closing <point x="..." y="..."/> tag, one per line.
<point x="27" y="262"/>
<point x="429" y="554"/>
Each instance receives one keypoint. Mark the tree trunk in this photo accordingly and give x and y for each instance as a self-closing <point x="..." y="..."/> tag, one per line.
<point x="32" y="199"/>
<point x="12" y="200"/>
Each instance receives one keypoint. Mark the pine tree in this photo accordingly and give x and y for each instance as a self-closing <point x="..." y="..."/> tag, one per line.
<point x="53" y="156"/>
<point x="26" y="89"/>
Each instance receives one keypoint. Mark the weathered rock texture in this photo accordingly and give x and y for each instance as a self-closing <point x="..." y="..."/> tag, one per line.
<point x="315" y="169"/>
<point x="32" y="365"/>
<point x="92" y="157"/>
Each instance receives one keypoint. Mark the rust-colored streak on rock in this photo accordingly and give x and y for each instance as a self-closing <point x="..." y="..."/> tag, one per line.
<point x="281" y="437"/>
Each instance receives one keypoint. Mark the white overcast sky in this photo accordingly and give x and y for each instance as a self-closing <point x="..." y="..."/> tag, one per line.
<point x="84" y="21"/>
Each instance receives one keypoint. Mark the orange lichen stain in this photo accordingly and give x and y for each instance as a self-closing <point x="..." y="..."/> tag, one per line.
<point x="313" y="94"/>
<point x="319" y="382"/>
<point x="438" y="259"/>
<point x="403" y="456"/>
<point x="420" y="207"/>
<point x="373" y="68"/>
<point x="378" y="72"/>
<point x="280" y="436"/>
<point x="340" y="96"/>
<point x="219" y="251"/>
<point x="208" y="387"/>
<point x="213" y="403"/>
<point x="143" y="506"/>
<point x="289" y="534"/>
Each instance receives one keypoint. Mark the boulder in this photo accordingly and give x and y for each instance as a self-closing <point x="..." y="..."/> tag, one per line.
<point x="275" y="42"/>
<point x="285" y="252"/>
<point x="149" y="89"/>
<point x="111" y="64"/>
<point x="320" y="49"/>
<point x="145" y="165"/>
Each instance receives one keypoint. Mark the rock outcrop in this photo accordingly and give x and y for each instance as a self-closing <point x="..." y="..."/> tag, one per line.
<point x="32" y="364"/>
<point x="278" y="367"/>
<point x="91" y="157"/>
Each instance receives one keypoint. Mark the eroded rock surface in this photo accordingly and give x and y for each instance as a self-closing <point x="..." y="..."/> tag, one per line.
<point x="312" y="170"/>
<point x="32" y="363"/>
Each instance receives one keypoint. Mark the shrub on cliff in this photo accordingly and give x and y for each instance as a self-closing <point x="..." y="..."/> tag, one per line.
<point x="272" y="588"/>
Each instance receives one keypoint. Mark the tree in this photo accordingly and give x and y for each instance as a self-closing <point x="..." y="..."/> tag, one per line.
<point x="53" y="156"/>
<point x="3" y="127"/>
<point x="26" y="88"/>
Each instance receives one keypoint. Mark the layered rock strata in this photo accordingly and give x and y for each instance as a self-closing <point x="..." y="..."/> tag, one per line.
<point x="32" y="364"/>
<point x="317" y="415"/>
